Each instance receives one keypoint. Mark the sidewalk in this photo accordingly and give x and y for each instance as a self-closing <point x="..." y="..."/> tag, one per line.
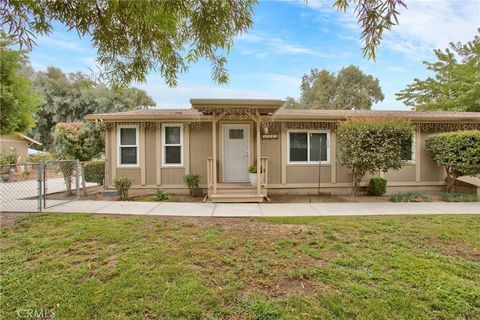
<point x="264" y="209"/>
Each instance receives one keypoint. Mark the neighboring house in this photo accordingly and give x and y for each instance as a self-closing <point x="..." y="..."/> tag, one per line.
<point x="19" y="142"/>
<point x="220" y="138"/>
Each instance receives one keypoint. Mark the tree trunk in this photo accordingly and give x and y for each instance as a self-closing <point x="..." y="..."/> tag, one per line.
<point x="84" y="187"/>
<point x="68" y="183"/>
<point x="450" y="180"/>
<point x="357" y="177"/>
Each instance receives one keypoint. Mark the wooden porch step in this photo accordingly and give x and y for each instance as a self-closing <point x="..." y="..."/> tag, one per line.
<point x="237" y="197"/>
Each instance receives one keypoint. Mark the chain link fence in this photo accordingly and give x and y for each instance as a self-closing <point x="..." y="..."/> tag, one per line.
<point x="20" y="187"/>
<point x="32" y="187"/>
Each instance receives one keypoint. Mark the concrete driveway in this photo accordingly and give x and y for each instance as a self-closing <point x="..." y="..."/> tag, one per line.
<point x="22" y="196"/>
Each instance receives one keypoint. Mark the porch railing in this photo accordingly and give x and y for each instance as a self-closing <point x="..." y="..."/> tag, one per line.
<point x="263" y="172"/>
<point x="210" y="179"/>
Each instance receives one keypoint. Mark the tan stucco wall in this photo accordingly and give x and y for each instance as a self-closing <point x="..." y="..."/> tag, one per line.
<point x="21" y="146"/>
<point x="407" y="173"/>
<point x="271" y="148"/>
<point x="200" y="149"/>
<point x="131" y="173"/>
<point x="430" y="170"/>
<point x="308" y="174"/>
<point x="282" y="176"/>
<point x="151" y="157"/>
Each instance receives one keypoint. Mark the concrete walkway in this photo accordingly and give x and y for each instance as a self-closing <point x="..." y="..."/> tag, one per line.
<point x="264" y="209"/>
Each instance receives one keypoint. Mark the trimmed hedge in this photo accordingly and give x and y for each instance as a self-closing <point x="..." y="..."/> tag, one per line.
<point x="95" y="172"/>
<point x="458" y="151"/>
<point x="377" y="187"/>
<point x="369" y="146"/>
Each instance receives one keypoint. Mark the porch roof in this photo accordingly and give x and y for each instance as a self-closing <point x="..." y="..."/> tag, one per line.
<point x="271" y="109"/>
<point x="263" y="106"/>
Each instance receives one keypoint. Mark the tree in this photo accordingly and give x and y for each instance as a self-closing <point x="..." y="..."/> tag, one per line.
<point x="458" y="151"/>
<point x="69" y="97"/>
<point x="456" y="84"/>
<point x="370" y="146"/>
<point x="348" y="89"/>
<point x="18" y="102"/>
<point x="135" y="37"/>
<point x="76" y="141"/>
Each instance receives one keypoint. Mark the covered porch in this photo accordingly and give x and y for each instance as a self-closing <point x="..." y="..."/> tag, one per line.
<point x="236" y="148"/>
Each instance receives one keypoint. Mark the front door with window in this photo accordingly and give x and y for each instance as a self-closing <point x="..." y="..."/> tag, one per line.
<point x="236" y="152"/>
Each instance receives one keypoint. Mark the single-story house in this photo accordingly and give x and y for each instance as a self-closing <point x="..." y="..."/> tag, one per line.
<point x="18" y="142"/>
<point x="295" y="150"/>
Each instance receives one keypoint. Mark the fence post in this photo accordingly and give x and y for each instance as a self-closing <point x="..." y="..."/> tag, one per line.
<point x="39" y="185"/>
<point x="77" y="178"/>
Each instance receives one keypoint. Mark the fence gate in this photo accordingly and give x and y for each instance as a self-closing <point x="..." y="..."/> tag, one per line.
<point x="61" y="182"/>
<point x="20" y="187"/>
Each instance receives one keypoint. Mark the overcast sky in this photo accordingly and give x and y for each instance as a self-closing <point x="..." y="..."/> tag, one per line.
<point x="288" y="39"/>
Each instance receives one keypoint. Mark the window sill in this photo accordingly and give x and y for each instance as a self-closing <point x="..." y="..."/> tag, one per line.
<point x="172" y="166"/>
<point x="128" y="166"/>
<point x="308" y="164"/>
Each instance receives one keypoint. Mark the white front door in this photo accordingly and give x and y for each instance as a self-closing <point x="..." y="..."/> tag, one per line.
<point x="236" y="152"/>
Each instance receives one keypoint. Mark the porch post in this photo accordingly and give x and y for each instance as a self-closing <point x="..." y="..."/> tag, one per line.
<point x="214" y="152"/>
<point x="258" y="158"/>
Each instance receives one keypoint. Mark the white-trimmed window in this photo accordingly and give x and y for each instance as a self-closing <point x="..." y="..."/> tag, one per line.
<point x="309" y="146"/>
<point x="127" y="139"/>
<point x="408" y="150"/>
<point x="172" y="144"/>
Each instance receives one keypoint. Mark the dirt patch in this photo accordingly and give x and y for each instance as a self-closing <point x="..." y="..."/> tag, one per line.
<point x="8" y="219"/>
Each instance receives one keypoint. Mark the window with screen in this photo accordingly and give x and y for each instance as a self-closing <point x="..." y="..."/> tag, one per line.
<point x="408" y="149"/>
<point x="128" y="146"/>
<point x="172" y="144"/>
<point x="308" y="146"/>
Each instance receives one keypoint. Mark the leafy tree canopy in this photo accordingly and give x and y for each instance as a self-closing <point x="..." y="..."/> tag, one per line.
<point x="69" y="97"/>
<point x="135" y="37"/>
<point x="458" y="151"/>
<point x="76" y="140"/>
<point x="455" y="85"/>
<point x="18" y="102"/>
<point x="350" y="88"/>
<point x="370" y="146"/>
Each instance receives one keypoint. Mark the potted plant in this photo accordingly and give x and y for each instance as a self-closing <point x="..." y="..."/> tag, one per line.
<point x="192" y="182"/>
<point x="252" y="175"/>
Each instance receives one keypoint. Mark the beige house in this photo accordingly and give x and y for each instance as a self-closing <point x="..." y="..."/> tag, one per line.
<point x="19" y="142"/>
<point x="295" y="150"/>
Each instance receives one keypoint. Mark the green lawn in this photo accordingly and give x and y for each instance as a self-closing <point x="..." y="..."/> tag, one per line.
<point x="99" y="267"/>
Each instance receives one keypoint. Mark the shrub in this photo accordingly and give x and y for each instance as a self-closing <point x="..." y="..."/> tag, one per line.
<point x="191" y="181"/>
<point x="410" y="197"/>
<point x="123" y="184"/>
<point x="8" y="157"/>
<point x="458" y="151"/>
<point x="40" y="157"/>
<point x="377" y="187"/>
<point x="370" y="146"/>
<point x="95" y="172"/>
<point x="160" y="195"/>
<point x="458" y="197"/>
